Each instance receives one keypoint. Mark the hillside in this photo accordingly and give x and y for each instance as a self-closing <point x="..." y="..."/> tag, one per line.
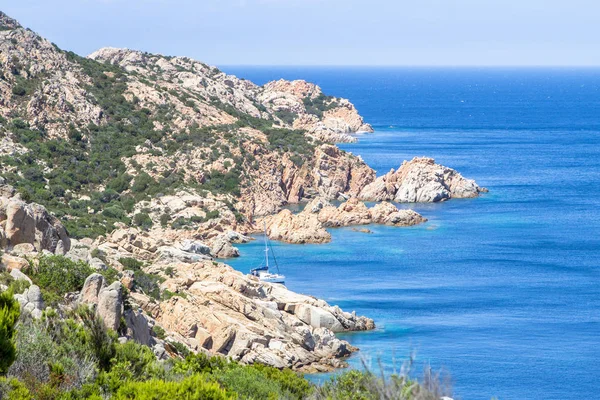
<point x="125" y="175"/>
<point x="91" y="137"/>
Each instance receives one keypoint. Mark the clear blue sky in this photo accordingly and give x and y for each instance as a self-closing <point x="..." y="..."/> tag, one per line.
<point x="327" y="32"/>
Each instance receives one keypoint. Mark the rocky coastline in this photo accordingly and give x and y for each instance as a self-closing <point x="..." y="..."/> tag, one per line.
<point x="309" y="226"/>
<point x="147" y="168"/>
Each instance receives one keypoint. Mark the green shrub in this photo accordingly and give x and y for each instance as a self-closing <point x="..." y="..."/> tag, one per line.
<point x="158" y="332"/>
<point x="140" y="359"/>
<point x="54" y="355"/>
<point x="200" y="363"/>
<point x="219" y="182"/>
<point x="285" y="140"/>
<point x="9" y="314"/>
<point x="212" y="215"/>
<point x="18" y="286"/>
<point x="119" y="184"/>
<point x="192" y="388"/>
<point x="290" y="382"/>
<point x="261" y="383"/>
<point x="12" y="389"/>
<point x="180" y="348"/>
<point x="5" y="278"/>
<point x="131" y="263"/>
<point x="57" y="275"/>
<point x="142" y="220"/>
<point x="364" y="385"/>
<point x="286" y="116"/>
<point x="142" y="183"/>
<point x="164" y="219"/>
<point x="147" y="283"/>
<point x="114" y="212"/>
<point x="319" y="104"/>
<point x="19" y="90"/>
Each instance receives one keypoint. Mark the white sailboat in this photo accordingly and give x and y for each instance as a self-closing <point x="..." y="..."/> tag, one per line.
<point x="262" y="272"/>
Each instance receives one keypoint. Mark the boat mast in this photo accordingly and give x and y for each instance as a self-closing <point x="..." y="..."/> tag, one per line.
<point x="266" y="246"/>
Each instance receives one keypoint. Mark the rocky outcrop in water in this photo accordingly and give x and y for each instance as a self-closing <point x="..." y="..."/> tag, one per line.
<point x="309" y="225"/>
<point x="420" y="180"/>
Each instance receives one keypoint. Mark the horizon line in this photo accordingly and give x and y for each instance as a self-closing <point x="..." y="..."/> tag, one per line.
<point x="530" y="66"/>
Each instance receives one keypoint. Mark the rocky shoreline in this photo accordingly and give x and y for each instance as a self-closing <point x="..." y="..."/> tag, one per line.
<point x="309" y="226"/>
<point x="212" y="308"/>
<point x="146" y="168"/>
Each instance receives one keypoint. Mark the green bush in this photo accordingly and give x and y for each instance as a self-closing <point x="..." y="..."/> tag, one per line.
<point x="56" y="355"/>
<point x="9" y="314"/>
<point x="147" y="283"/>
<point x="142" y="220"/>
<point x="57" y="275"/>
<point x="19" y="90"/>
<point x="253" y="381"/>
<point x="114" y="212"/>
<point x="164" y="219"/>
<point x="158" y="332"/>
<point x="12" y="389"/>
<point x="131" y="263"/>
<point x="219" y="182"/>
<point x="119" y="184"/>
<point x="319" y="104"/>
<point x="256" y="383"/>
<point x="192" y="388"/>
<point x="287" y="116"/>
<point x="142" y="183"/>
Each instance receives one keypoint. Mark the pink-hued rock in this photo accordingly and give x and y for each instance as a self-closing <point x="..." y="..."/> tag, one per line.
<point x="309" y="225"/>
<point x="421" y="180"/>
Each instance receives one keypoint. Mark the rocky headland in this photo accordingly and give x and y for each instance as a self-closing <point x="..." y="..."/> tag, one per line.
<point x="421" y="180"/>
<point x="142" y="169"/>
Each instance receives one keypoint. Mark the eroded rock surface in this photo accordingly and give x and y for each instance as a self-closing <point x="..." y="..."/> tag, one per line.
<point x="309" y="225"/>
<point x="421" y="180"/>
<point x="226" y="312"/>
<point x="23" y="224"/>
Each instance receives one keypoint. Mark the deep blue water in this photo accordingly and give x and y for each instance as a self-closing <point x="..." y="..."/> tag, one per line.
<point x="503" y="291"/>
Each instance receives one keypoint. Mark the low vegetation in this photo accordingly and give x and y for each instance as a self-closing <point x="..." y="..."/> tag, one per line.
<point x="89" y="179"/>
<point x="75" y="357"/>
<point x="319" y="104"/>
<point x="57" y="276"/>
<point x="69" y="354"/>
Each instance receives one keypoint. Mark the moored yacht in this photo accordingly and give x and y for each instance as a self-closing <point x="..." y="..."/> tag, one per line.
<point x="262" y="272"/>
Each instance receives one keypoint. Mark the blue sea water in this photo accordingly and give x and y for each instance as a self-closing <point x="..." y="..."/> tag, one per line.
<point x="502" y="291"/>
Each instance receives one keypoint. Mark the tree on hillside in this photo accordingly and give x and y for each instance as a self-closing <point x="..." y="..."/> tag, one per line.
<point x="9" y="314"/>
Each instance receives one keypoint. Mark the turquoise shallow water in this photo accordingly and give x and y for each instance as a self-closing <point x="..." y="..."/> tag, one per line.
<point x="503" y="291"/>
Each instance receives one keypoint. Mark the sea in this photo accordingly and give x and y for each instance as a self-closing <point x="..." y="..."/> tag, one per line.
<point x="502" y="292"/>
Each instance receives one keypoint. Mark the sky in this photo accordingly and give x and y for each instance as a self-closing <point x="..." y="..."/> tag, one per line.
<point x="328" y="32"/>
